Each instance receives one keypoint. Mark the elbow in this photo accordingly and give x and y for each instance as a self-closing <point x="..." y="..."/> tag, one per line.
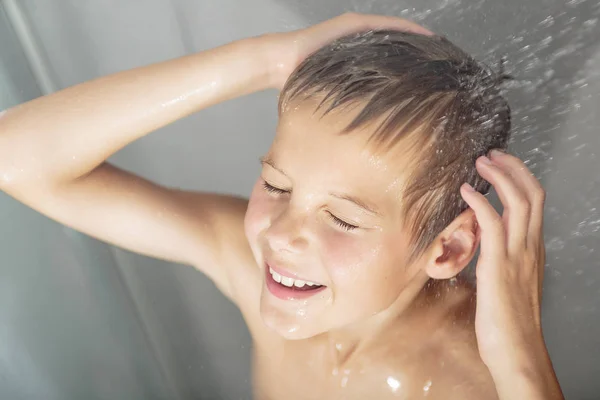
<point x="9" y="177"/>
<point x="17" y="163"/>
<point x="12" y="173"/>
<point x="7" y="171"/>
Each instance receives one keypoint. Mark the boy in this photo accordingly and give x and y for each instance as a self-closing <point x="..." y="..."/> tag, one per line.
<point x="343" y="261"/>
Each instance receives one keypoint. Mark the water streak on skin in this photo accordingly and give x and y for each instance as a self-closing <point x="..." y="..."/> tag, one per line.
<point x="212" y="86"/>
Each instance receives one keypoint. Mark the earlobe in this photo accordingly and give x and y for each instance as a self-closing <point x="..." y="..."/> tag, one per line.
<point x="454" y="248"/>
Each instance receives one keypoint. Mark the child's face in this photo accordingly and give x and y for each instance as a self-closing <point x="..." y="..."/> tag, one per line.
<point x="301" y="224"/>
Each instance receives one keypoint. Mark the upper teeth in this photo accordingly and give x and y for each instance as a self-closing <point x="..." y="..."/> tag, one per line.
<point x="289" y="282"/>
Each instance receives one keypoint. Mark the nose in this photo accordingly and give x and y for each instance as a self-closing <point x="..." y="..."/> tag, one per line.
<point x="287" y="232"/>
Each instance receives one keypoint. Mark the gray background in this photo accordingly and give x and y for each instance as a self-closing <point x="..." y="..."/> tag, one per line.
<point x="83" y="320"/>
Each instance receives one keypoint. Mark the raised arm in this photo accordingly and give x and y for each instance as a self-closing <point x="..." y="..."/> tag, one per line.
<point x="53" y="149"/>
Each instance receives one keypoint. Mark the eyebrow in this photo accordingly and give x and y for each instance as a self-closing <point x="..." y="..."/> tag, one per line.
<point x="367" y="207"/>
<point x="342" y="196"/>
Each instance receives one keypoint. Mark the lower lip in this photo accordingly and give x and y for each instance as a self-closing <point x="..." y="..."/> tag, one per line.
<point x="288" y="293"/>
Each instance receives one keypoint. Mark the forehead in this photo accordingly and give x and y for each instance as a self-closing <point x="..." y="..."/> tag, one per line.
<point x="310" y="146"/>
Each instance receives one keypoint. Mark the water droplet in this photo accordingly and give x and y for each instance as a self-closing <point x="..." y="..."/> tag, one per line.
<point x="292" y="329"/>
<point x="7" y="177"/>
<point x="574" y="2"/>
<point x="548" y="22"/>
<point x="393" y="383"/>
<point x="555" y="244"/>
<point x="427" y="387"/>
<point x="590" y="23"/>
<point x="344" y="381"/>
<point x="546" y="41"/>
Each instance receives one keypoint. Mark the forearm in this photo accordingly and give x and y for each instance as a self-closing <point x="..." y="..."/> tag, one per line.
<point x="63" y="136"/>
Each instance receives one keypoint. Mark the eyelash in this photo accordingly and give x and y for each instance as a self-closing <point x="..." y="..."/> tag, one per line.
<point x="273" y="189"/>
<point x="342" y="224"/>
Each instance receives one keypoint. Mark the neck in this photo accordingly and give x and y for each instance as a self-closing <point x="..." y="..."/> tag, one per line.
<point x="348" y="341"/>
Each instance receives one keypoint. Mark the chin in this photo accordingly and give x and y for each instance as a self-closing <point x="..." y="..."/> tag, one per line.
<point x="290" y="324"/>
<point x="290" y="332"/>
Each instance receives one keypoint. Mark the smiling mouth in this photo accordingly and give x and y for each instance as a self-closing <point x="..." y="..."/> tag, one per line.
<point x="292" y="283"/>
<point x="287" y="288"/>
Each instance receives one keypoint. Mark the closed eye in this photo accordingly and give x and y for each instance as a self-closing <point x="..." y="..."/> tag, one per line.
<point x="272" y="189"/>
<point x="342" y="224"/>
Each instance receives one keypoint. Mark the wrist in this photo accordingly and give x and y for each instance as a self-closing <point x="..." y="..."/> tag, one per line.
<point x="514" y="349"/>
<point x="278" y="57"/>
<point x="528" y="383"/>
<point x="526" y="374"/>
<point x="519" y="353"/>
<point x="257" y="53"/>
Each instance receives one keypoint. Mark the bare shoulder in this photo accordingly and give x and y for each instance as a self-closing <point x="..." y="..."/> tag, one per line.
<point x="438" y="357"/>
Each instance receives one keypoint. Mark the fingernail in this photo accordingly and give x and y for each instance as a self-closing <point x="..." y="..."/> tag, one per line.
<point x="485" y="160"/>
<point x="496" y="153"/>
<point x="468" y="187"/>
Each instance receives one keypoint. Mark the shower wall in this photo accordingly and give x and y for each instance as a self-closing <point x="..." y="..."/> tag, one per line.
<point x="81" y="319"/>
<point x="68" y="326"/>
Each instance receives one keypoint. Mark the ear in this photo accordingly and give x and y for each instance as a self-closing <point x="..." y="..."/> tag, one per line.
<point x="454" y="248"/>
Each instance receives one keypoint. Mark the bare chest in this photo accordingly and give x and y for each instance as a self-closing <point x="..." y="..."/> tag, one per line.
<point x="300" y="373"/>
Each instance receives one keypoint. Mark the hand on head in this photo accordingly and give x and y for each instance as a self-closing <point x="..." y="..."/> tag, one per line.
<point x="509" y="279"/>
<point x="289" y="49"/>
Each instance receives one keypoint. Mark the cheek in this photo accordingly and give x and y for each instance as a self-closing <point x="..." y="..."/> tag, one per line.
<point x="365" y="273"/>
<point x="348" y="257"/>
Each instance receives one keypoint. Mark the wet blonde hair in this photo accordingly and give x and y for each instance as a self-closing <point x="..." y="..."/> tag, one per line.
<point x="422" y="87"/>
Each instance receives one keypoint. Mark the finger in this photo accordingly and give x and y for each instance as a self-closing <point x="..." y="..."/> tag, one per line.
<point x="542" y="266"/>
<point x="532" y="187"/>
<point x="350" y="23"/>
<point x="493" y="238"/>
<point x="370" y="21"/>
<point x="536" y="195"/>
<point x="516" y="204"/>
